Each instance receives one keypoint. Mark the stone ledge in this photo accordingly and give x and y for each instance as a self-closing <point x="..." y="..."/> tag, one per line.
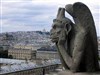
<point x="81" y="73"/>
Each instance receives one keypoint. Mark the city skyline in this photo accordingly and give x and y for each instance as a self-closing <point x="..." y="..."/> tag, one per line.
<point x="33" y="15"/>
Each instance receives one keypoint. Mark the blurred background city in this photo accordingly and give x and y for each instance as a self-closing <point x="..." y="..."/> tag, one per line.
<point x="25" y="44"/>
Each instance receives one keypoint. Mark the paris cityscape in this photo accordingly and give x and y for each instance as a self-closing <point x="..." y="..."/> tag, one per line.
<point x="25" y="44"/>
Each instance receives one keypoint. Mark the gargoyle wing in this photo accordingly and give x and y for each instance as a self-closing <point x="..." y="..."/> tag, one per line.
<point x="82" y="16"/>
<point x="83" y="19"/>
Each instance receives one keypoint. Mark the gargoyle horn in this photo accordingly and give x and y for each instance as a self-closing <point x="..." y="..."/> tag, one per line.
<point x="61" y="13"/>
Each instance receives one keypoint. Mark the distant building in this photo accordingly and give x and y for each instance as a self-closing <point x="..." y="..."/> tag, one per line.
<point x="47" y="53"/>
<point x="26" y="46"/>
<point x="22" y="53"/>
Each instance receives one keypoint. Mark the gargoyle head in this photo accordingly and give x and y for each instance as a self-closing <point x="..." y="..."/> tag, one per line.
<point x="59" y="24"/>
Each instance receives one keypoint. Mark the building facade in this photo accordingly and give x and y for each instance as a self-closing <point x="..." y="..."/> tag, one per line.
<point x="22" y="53"/>
<point x="47" y="55"/>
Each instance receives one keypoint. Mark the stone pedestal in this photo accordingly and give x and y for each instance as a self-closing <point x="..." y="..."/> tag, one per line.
<point x="80" y="73"/>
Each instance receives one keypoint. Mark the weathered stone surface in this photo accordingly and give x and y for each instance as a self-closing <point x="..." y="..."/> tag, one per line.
<point x="80" y="73"/>
<point x="76" y="43"/>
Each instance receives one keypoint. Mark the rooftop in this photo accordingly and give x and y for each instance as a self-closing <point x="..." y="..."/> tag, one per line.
<point x="18" y="65"/>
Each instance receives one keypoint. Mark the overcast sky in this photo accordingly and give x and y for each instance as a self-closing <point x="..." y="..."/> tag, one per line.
<point x="32" y="15"/>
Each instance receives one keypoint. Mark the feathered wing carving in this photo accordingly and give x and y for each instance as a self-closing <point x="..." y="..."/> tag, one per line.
<point x="85" y="52"/>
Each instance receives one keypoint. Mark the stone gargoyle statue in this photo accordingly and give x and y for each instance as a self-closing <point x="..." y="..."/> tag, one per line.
<point x="76" y="42"/>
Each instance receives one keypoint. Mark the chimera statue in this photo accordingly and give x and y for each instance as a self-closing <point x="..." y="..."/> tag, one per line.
<point x="76" y="42"/>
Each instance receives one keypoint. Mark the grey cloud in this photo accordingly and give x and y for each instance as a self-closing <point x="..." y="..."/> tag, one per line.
<point x="22" y="15"/>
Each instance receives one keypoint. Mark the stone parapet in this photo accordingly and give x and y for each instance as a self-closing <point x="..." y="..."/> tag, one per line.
<point x="79" y="73"/>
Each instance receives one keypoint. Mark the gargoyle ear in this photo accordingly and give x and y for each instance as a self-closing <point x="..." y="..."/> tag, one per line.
<point x="68" y="28"/>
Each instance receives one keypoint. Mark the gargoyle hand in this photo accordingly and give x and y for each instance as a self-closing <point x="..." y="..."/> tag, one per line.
<point x="62" y="38"/>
